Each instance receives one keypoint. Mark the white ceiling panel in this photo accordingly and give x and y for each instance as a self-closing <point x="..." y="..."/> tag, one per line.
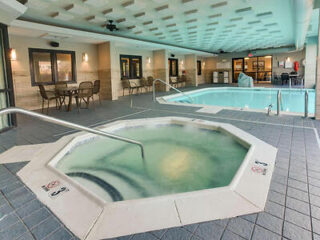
<point x="207" y="25"/>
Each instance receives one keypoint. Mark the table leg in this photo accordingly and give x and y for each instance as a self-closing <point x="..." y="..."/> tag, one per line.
<point x="289" y="82"/>
<point x="70" y="102"/>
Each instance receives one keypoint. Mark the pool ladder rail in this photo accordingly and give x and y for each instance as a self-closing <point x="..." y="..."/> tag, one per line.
<point x="279" y="101"/>
<point x="167" y="84"/>
<point x="74" y="126"/>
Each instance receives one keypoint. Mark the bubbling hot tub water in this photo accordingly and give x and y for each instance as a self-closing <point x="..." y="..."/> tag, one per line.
<point x="179" y="158"/>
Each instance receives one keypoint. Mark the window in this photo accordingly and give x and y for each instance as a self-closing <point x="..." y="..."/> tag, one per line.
<point x="50" y="66"/>
<point x="131" y="66"/>
<point x="173" y="67"/>
<point x="199" y="68"/>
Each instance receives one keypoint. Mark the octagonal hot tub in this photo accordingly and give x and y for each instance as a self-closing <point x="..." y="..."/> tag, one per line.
<point x="194" y="171"/>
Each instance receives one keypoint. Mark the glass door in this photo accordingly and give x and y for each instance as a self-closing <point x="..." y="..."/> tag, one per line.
<point x="237" y="68"/>
<point x="5" y="85"/>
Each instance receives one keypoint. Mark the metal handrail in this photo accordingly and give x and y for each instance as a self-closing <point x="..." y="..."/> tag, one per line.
<point x="73" y="126"/>
<point x="306" y="103"/>
<point x="154" y="89"/>
<point x="278" y="102"/>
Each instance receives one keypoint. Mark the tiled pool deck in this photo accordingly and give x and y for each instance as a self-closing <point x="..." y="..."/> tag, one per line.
<point x="293" y="206"/>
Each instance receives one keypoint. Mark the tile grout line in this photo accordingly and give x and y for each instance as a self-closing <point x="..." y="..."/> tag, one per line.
<point x="308" y="187"/>
<point x="285" y="199"/>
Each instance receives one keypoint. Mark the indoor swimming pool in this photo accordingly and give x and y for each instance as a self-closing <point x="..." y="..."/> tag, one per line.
<point x="292" y="100"/>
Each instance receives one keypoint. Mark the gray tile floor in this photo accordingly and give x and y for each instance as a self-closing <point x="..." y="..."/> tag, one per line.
<point x="292" y="210"/>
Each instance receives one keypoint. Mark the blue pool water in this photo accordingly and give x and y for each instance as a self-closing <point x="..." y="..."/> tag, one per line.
<point x="293" y="100"/>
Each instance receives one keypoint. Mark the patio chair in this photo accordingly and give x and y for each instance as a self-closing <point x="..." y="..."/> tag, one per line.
<point x="144" y="83"/>
<point x="127" y="84"/>
<point x="96" y="90"/>
<point x="85" y="92"/>
<point x="60" y="94"/>
<point x="174" y="81"/>
<point x="182" y="79"/>
<point x="47" y="96"/>
<point x="150" y="80"/>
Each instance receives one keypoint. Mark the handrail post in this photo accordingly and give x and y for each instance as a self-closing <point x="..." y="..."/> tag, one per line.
<point x="278" y="102"/>
<point x="73" y="126"/>
<point x="306" y="103"/>
<point x="154" y="90"/>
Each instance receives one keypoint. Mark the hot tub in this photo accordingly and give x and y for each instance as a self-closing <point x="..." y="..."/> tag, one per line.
<point x="195" y="171"/>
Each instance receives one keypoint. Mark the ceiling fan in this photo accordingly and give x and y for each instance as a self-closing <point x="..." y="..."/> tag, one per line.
<point x="111" y="26"/>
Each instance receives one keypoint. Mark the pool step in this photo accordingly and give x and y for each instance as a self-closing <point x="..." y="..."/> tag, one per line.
<point x="22" y="153"/>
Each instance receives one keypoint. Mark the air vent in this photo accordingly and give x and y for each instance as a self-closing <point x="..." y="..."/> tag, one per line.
<point x="171" y="25"/>
<point x="244" y="11"/>
<point x="236" y="19"/>
<point x="254" y="22"/>
<point x="161" y="8"/>
<point x="191" y="12"/>
<point x="215" y="15"/>
<point x="191" y="20"/>
<point x="265" y="15"/>
<point x="220" y="4"/>
<point x="167" y="18"/>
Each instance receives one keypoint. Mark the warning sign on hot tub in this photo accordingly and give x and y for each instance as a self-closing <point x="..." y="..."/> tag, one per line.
<point x="260" y="167"/>
<point x="55" y="189"/>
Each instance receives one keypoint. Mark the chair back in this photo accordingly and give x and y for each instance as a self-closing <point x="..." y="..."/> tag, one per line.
<point x="85" y="89"/>
<point x="43" y="92"/>
<point x="96" y="87"/>
<point x="60" y="85"/>
<point x="143" y="82"/>
<point x="284" y="76"/>
<point x="183" y="78"/>
<point x="125" y="83"/>
<point x="150" y="80"/>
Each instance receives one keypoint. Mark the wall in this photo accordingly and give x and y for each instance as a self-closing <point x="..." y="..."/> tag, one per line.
<point x="294" y="56"/>
<point x="211" y="62"/>
<point x="147" y="68"/>
<point x="27" y="96"/>
<point x="201" y="78"/>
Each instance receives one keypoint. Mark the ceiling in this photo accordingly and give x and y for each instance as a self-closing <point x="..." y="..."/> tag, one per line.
<point x="206" y="25"/>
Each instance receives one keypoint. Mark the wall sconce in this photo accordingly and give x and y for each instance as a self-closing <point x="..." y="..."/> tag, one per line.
<point x="149" y="60"/>
<point x="12" y="54"/>
<point x="288" y="59"/>
<point x="181" y="62"/>
<point x="85" y="57"/>
<point x="203" y="64"/>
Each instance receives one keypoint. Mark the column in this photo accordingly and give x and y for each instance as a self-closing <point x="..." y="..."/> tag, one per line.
<point x="311" y="62"/>
<point x="317" y="112"/>
<point x="191" y="69"/>
<point x="108" y="72"/>
<point x="161" y="68"/>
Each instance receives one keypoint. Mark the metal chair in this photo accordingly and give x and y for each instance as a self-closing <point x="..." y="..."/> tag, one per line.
<point x="58" y="89"/>
<point x="285" y="77"/>
<point x="150" y="80"/>
<point x="144" y="83"/>
<point x="96" y="90"/>
<point x="85" y="92"/>
<point x="127" y="84"/>
<point x="47" y="96"/>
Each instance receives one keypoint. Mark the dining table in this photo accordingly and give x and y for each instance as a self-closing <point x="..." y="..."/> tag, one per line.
<point x="68" y="92"/>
